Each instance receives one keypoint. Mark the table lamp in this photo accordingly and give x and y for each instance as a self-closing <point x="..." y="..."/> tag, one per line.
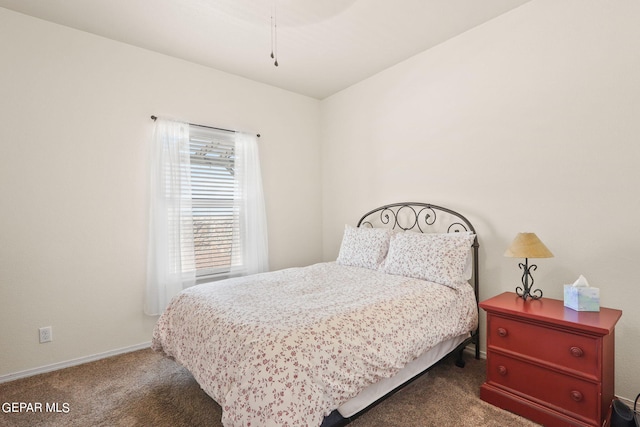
<point x="527" y="245"/>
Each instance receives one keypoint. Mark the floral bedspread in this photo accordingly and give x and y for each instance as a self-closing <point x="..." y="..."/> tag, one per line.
<point x="286" y="348"/>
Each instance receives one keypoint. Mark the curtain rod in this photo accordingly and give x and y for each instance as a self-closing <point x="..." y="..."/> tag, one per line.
<point x="154" y="118"/>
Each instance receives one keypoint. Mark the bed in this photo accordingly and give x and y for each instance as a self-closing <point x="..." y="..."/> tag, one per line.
<point x="317" y="345"/>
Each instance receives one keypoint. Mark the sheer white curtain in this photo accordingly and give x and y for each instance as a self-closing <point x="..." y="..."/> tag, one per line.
<point x="170" y="255"/>
<point x="249" y="203"/>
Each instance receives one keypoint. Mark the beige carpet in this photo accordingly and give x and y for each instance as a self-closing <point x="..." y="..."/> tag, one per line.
<point x="144" y="389"/>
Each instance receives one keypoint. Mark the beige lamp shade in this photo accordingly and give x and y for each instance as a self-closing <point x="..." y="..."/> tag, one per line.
<point x="527" y="245"/>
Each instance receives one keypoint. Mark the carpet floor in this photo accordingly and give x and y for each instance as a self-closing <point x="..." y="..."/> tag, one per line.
<point x="142" y="388"/>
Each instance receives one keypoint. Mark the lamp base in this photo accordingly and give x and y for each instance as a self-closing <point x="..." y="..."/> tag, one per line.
<point x="526" y="291"/>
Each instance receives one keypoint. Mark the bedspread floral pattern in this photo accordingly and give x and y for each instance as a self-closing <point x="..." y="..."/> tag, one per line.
<point x="286" y="348"/>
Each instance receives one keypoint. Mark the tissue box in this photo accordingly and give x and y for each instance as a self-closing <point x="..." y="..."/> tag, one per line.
<point x="582" y="298"/>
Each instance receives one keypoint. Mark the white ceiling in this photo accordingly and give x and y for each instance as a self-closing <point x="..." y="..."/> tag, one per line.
<point x="323" y="46"/>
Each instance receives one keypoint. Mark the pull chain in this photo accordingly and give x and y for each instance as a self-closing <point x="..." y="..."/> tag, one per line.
<point x="274" y="34"/>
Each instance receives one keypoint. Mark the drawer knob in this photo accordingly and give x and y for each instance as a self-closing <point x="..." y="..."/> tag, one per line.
<point x="502" y="332"/>
<point x="576" y="396"/>
<point x="502" y="370"/>
<point x="576" y="352"/>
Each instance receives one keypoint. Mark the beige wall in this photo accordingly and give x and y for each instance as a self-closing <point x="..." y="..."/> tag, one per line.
<point x="74" y="114"/>
<point x="527" y="123"/>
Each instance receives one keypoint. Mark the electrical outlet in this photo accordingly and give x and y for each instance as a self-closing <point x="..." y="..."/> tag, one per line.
<point x="46" y="334"/>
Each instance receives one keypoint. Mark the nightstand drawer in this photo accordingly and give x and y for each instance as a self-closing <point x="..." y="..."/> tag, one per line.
<point x="563" y="393"/>
<point x="545" y="344"/>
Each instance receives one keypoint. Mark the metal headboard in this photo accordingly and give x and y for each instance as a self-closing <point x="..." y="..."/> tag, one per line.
<point x="427" y="218"/>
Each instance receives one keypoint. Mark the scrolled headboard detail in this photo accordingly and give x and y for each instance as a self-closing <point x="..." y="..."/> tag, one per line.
<point x="426" y="218"/>
<point x="416" y="216"/>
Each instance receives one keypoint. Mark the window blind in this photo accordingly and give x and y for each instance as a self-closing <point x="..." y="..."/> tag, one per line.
<point x="215" y="218"/>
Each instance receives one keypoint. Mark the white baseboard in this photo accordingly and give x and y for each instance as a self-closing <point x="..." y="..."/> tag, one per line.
<point x="471" y="349"/>
<point x="627" y="401"/>
<point x="74" y="362"/>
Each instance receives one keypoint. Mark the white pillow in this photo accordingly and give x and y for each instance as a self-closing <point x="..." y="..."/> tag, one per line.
<point x="364" y="247"/>
<point x="439" y="258"/>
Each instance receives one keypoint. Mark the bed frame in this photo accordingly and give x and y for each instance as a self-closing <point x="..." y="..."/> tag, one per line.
<point x="422" y="218"/>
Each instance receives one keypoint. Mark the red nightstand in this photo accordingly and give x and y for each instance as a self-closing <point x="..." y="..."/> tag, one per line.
<point x="549" y="363"/>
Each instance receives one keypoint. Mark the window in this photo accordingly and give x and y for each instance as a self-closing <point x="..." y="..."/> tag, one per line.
<point x="215" y="217"/>
<point x="207" y="216"/>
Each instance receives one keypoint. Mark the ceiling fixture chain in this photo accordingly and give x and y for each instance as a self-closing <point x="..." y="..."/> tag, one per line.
<point x="274" y="33"/>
